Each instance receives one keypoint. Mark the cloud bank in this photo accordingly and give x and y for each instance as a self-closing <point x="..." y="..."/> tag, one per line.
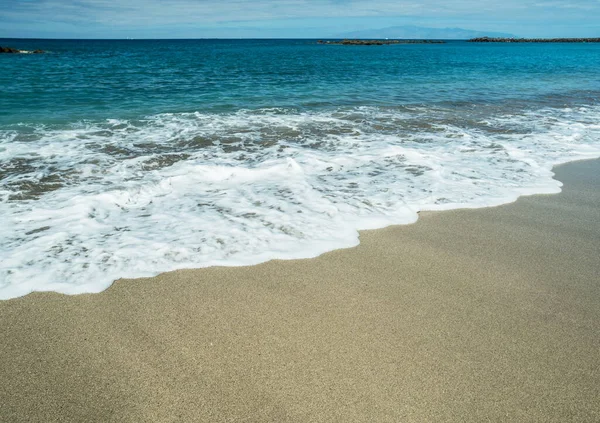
<point x="185" y="17"/>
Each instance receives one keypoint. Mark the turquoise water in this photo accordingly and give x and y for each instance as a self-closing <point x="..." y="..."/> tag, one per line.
<point x="129" y="158"/>
<point x="114" y="79"/>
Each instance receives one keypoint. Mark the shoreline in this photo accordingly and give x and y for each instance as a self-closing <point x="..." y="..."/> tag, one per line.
<point x="465" y="315"/>
<point x="554" y="187"/>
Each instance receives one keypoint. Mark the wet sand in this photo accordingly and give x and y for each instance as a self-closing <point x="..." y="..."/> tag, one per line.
<point x="467" y="315"/>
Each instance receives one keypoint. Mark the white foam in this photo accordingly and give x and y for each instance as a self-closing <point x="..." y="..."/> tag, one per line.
<point x="136" y="198"/>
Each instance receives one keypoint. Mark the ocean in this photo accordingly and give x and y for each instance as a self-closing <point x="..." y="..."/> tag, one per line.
<point x="131" y="158"/>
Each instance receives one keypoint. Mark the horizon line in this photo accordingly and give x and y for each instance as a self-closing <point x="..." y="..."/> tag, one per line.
<point x="230" y="38"/>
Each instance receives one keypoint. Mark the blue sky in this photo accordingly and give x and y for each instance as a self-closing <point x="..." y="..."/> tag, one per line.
<point x="289" y="18"/>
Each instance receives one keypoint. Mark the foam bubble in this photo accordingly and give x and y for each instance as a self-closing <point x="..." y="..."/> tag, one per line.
<point x="86" y="204"/>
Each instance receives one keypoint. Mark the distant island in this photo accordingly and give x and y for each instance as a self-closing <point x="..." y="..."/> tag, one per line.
<point x="347" y="42"/>
<point x="418" y="33"/>
<point x="533" y="40"/>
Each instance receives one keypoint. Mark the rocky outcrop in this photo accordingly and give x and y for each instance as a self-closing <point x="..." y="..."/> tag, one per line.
<point x="15" y="51"/>
<point x="347" y="42"/>
<point x="9" y="50"/>
<point x="534" y="40"/>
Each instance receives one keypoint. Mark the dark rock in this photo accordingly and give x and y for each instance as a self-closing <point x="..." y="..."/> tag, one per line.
<point x="534" y="40"/>
<point x="9" y="50"/>
<point x="14" y="50"/>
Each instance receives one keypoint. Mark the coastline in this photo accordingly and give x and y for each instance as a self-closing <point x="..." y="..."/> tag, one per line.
<point x="466" y="315"/>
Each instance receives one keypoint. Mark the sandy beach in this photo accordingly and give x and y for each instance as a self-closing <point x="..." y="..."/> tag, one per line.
<point x="468" y="315"/>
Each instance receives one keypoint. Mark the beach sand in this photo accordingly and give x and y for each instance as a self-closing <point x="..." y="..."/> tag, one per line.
<point x="467" y="315"/>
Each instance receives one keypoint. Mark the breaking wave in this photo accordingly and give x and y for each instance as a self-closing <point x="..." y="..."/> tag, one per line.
<point x="86" y="204"/>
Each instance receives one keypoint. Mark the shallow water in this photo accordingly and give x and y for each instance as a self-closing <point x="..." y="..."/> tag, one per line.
<point x="129" y="158"/>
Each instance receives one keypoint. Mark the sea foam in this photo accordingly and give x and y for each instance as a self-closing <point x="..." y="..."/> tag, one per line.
<point x="87" y="204"/>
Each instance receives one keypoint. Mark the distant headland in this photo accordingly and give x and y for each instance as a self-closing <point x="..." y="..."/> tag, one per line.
<point x="533" y="40"/>
<point x="347" y="42"/>
<point x="411" y="32"/>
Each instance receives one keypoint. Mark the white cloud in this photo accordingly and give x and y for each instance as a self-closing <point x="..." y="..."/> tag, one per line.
<point x="145" y="15"/>
<point x="159" y="12"/>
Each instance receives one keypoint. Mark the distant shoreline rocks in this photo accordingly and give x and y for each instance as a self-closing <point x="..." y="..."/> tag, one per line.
<point x="348" y="42"/>
<point x="533" y="40"/>
<point x="11" y="50"/>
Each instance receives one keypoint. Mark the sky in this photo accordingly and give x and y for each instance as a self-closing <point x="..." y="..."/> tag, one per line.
<point x="289" y="18"/>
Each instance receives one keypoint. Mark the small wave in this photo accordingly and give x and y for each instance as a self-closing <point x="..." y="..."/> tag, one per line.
<point x="86" y="204"/>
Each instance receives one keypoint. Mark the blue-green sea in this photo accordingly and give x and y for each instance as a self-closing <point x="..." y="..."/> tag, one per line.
<point x="133" y="157"/>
